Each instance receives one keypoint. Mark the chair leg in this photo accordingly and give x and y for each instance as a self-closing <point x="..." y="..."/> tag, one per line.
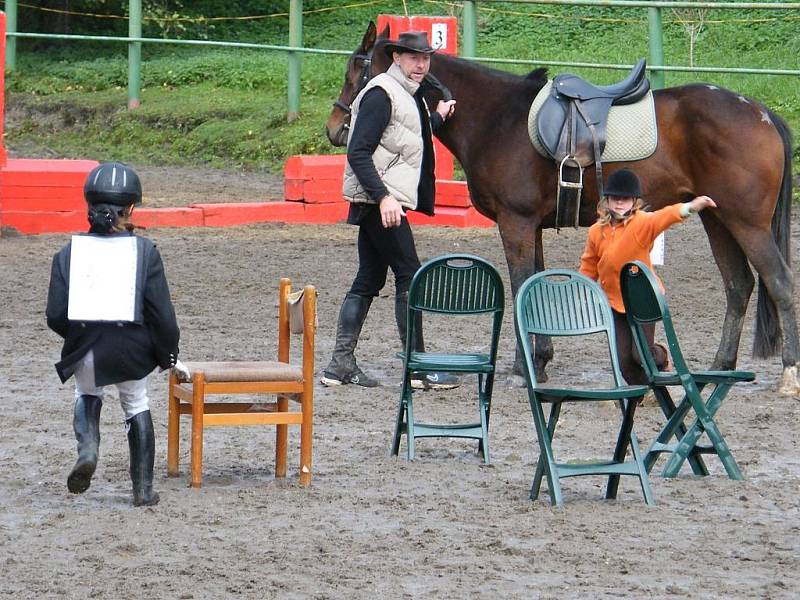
<point x="704" y="422"/>
<point x="281" y="439"/>
<point x="674" y="427"/>
<point x="621" y="447"/>
<point x="198" y="401"/>
<point x="410" y="446"/>
<point x="485" y="386"/>
<point x="400" y="422"/>
<point x="627" y="437"/>
<point x="547" y="463"/>
<point x="306" y="434"/>
<point x="173" y="429"/>
<point x="644" y="477"/>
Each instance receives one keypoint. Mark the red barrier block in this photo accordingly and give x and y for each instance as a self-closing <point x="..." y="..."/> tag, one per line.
<point x="451" y="216"/>
<point x="168" y="217"/>
<point x="221" y="215"/>
<point x="33" y="172"/>
<point x="452" y="193"/>
<point x="46" y="221"/>
<point x="42" y="198"/>
<point x="335" y="212"/>
<point x="293" y="189"/>
<point x="323" y="191"/>
<point x="314" y="166"/>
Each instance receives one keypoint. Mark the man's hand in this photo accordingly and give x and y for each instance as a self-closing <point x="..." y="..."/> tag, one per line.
<point x="181" y="371"/>
<point x="391" y="211"/>
<point x="446" y="109"/>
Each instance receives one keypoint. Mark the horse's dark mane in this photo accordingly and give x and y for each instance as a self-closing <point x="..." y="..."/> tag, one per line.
<point x="538" y="75"/>
<point x="536" y="78"/>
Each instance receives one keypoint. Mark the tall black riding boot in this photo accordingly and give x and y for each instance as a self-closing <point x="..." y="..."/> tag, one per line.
<point x="343" y="367"/>
<point x="86" y="424"/>
<point x="435" y="380"/>
<point x="141" y="442"/>
<point x="401" y="317"/>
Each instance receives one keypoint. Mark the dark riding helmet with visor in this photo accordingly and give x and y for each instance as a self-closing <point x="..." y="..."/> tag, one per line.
<point x="109" y="190"/>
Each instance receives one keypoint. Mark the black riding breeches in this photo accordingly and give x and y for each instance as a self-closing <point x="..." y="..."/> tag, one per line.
<point x="380" y="248"/>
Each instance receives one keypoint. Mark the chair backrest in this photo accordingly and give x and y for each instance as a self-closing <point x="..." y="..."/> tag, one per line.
<point x="460" y="284"/>
<point x="645" y="304"/>
<point x="561" y="302"/>
<point x="309" y="325"/>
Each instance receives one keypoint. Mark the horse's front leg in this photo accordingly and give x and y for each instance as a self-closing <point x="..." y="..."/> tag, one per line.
<point x="522" y="243"/>
<point x="543" y="352"/>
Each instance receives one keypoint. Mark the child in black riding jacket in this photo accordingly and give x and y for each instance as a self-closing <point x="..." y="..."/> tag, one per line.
<point x="100" y="351"/>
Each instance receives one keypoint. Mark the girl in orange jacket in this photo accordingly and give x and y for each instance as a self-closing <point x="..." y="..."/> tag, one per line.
<point x="623" y="232"/>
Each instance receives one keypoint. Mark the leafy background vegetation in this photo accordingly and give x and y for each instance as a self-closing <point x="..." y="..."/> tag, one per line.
<point x="227" y="108"/>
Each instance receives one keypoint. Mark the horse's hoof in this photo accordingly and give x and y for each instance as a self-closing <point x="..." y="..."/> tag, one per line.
<point x="516" y="381"/>
<point x="789" y="383"/>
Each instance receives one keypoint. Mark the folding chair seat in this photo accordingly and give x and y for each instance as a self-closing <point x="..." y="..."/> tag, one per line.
<point x="282" y="378"/>
<point x="644" y="304"/>
<point x="456" y="285"/>
<point x="560" y="302"/>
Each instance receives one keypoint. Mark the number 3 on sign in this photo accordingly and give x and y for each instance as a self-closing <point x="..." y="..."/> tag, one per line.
<point x="439" y="35"/>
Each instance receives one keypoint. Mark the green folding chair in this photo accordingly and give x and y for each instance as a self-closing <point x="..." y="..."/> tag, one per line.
<point x="456" y="284"/>
<point x="644" y="304"/>
<point x="560" y="302"/>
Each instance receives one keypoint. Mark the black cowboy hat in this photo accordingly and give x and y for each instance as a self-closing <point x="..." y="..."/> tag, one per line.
<point x="410" y="41"/>
<point x="623" y="184"/>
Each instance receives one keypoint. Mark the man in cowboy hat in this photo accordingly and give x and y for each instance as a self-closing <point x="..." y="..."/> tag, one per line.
<point x="390" y="169"/>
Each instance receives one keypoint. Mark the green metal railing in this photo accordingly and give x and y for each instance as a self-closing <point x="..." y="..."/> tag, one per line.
<point x="295" y="49"/>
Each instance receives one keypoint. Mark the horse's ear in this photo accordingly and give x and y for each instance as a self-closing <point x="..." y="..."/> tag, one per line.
<point x="368" y="41"/>
<point x="384" y="35"/>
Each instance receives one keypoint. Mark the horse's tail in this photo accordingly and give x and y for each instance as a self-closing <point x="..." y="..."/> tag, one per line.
<point x="766" y="341"/>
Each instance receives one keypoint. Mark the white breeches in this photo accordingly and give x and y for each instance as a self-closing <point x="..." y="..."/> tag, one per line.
<point x="132" y="394"/>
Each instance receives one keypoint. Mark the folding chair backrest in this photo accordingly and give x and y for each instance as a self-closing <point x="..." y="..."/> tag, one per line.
<point x="561" y="302"/>
<point x="459" y="284"/>
<point x="645" y="304"/>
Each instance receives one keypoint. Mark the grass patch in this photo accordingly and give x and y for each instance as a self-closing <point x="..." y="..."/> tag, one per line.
<point x="227" y="108"/>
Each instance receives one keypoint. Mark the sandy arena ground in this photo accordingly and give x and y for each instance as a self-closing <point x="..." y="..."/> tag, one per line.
<point x="371" y="526"/>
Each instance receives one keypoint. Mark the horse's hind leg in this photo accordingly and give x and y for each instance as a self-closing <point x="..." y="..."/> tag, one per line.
<point x="763" y="253"/>
<point x="738" y="282"/>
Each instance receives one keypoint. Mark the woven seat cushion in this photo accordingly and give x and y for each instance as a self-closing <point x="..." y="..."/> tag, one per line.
<point x="247" y="371"/>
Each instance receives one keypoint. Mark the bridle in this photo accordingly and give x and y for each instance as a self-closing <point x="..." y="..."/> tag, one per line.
<point x="363" y="79"/>
<point x="365" y="76"/>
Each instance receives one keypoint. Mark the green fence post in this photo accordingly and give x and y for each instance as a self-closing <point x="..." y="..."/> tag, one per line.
<point x="295" y="41"/>
<point x="11" y="27"/>
<point x="656" y="46"/>
<point x="134" y="54"/>
<point x="470" y="18"/>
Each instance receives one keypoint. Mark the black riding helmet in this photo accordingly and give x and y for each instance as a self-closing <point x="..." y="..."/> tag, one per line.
<point x="623" y="184"/>
<point x="109" y="190"/>
<point x="113" y="183"/>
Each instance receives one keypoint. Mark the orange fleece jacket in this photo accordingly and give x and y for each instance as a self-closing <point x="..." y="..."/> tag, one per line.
<point x="609" y="247"/>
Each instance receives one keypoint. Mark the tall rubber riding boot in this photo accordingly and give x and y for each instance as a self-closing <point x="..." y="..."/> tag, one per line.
<point x="343" y="367"/>
<point x="86" y="424"/>
<point x="401" y="317"/>
<point x="141" y="442"/>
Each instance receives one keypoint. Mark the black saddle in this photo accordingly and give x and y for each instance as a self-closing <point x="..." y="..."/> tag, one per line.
<point x="572" y="122"/>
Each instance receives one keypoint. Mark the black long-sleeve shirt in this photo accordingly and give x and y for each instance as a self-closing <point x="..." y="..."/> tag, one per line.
<point x="373" y="117"/>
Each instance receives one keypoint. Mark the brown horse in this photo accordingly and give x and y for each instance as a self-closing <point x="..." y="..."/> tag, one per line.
<point x="711" y="141"/>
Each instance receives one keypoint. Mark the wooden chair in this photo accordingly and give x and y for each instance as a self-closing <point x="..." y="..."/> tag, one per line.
<point x="559" y="302"/>
<point x="644" y="303"/>
<point x="456" y="284"/>
<point x="279" y="377"/>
